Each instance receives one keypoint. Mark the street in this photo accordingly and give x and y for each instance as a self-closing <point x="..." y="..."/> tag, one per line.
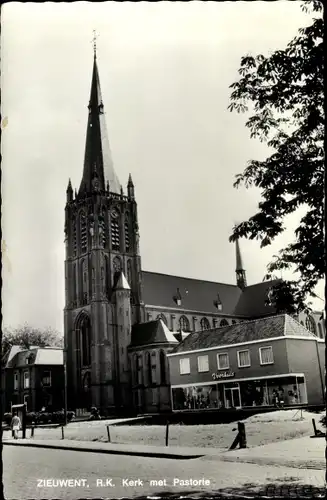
<point x="47" y="474"/>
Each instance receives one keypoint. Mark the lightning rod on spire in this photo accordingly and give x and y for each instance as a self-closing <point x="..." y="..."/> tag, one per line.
<point x="94" y="41"/>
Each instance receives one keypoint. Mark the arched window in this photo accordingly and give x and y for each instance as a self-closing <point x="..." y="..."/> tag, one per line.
<point x="163" y="317"/>
<point x="84" y="334"/>
<point x="139" y="370"/>
<point x="224" y="322"/>
<point x="127" y="233"/>
<point x="205" y="325"/>
<point x="83" y="232"/>
<point x="74" y="283"/>
<point x="84" y="281"/>
<point x="163" y="378"/>
<point x="102" y="229"/>
<point x="234" y="322"/>
<point x="311" y="325"/>
<point x="184" y="324"/>
<point x="74" y="237"/>
<point x="148" y="368"/>
<point x="116" y="267"/>
<point x="302" y="323"/>
<point x="115" y="230"/>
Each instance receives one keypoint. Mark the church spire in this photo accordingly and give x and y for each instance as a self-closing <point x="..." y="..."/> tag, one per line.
<point x="98" y="166"/>
<point x="240" y="271"/>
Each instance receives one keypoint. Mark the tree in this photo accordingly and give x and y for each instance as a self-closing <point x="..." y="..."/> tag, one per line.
<point x="286" y="92"/>
<point x="27" y="336"/>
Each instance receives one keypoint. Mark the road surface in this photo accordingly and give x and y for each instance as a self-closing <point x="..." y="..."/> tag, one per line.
<point x="39" y="474"/>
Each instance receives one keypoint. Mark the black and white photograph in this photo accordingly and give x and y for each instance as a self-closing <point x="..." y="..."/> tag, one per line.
<point x="163" y="259"/>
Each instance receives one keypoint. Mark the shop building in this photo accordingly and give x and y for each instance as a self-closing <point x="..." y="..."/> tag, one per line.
<point x="255" y="363"/>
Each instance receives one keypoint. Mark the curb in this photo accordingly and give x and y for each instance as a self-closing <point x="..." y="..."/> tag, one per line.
<point x="276" y="463"/>
<point x="110" y="452"/>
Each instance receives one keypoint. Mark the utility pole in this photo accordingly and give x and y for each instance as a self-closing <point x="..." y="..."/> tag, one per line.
<point x="65" y="384"/>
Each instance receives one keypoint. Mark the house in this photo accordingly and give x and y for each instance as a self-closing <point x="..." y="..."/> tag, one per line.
<point x="242" y="365"/>
<point x="34" y="376"/>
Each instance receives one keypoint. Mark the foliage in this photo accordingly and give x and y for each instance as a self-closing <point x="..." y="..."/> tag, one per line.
<point x="27" y="336"/>
<point x="57" y="417"/>
<point x="286" y="92"/>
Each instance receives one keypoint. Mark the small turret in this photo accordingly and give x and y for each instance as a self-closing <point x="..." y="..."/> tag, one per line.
<point x="240" y="271"/>
<point x="130" y="188"/>
<point x="69" y="192"/>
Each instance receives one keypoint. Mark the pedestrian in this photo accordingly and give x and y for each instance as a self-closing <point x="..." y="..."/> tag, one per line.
<point x="275" y="398"/>
<point x="15" y="425"/>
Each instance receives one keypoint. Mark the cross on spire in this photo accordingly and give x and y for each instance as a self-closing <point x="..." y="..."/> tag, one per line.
<point x="94" y="41"/>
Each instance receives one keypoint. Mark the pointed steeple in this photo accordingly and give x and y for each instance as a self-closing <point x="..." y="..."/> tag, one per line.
<point x="240" y="271"/>
<point x="98" y="165"/>
<point x="130" y="188"/>
<point x="69" y="191"/>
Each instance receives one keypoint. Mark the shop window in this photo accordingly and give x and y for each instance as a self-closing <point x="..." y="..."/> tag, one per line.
<point x="197" y="397"/>
<point x="184" y="366"/>
<point x="26" y="380"/>
<point x="46" y="379"/>
<point x="223" y="361"/>
<point x="243" y="358"/>
<point x="266" y="355"/>
<point x="203" y="363"/>
<point x="16" y="380"/>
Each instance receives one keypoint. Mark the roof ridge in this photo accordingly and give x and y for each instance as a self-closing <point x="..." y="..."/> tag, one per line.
<point x="190" y="279"/>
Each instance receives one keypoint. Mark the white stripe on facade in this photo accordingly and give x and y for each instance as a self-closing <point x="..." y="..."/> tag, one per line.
<point x="182" y="353"/>
<point x="194" y="311"/>
<point x="229" y="380"/>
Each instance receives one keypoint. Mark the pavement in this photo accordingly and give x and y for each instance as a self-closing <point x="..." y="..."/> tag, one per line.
<point x="299" y="453"/>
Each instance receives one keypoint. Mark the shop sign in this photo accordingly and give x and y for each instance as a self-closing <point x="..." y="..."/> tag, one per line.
<point x="222" y="375"/>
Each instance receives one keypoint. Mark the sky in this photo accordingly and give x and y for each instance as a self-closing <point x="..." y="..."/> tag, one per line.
<point x="165" y="70"/>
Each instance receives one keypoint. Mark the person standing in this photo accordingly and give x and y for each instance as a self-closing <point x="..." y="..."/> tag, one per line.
<point x="15" y="425"/>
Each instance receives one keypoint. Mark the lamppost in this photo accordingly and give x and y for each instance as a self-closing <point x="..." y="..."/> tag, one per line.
<point x="65" y="384"/>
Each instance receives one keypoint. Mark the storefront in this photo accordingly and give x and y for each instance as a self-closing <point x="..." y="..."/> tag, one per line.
<point x="286" y="390"/>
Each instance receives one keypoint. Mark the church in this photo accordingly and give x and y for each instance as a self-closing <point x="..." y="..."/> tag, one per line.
<point x="120" y="321"/>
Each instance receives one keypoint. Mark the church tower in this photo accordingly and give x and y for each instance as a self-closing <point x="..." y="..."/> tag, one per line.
<point x="240" y="271"/>
<point x="102" y="272"/>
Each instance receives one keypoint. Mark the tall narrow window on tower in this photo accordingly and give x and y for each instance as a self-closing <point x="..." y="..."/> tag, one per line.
<point x="74" y="238"/>
<point x="83" y="233"/>
<point x="117" y="267"/>
<point x="84" y="282"/>
<point x="127" y="235"/>
<point x="115" y="230"/>
<point x="102" y="229"/>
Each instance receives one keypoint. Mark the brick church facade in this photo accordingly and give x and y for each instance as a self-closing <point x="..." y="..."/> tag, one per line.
<point x="121" y="321"/>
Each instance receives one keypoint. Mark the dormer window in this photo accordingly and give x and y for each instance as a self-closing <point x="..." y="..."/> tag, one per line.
<point x="218" y="303"/>
<point x="29" y="359"/>
<point x="178" y="298"/>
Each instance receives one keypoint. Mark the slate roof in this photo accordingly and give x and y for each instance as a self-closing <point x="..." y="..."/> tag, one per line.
<point x="37" y="356"/>
<point x="259" y="329"/>
<point x="152" y="332"/>
<point x="198" y="295"/>
<point x="252" y="301"/>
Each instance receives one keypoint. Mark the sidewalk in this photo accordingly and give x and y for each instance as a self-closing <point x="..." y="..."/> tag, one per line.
<point x="300" y="453"/>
